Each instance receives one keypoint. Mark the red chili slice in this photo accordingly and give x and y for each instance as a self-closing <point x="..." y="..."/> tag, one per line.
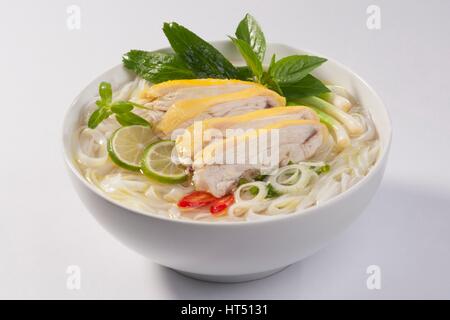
<point x="218" y="206"/>
<point x="196" y="199"/>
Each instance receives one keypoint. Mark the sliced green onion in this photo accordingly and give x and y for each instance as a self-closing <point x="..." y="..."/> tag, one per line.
<point x="291" y="179"/>
<point x="337" y="130"/>
<point x="339" y="101"/>
<point x="252" y="191"/>
<point x="352" y="124"/>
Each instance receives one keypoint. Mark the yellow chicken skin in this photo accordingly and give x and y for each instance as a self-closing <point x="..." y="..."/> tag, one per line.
<point x="183" y="113"/>
<point x="198" y="136"/>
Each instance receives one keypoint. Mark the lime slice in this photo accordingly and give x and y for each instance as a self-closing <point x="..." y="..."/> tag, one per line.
<point x="157" y="163"/>
<point x="127" y="144"/>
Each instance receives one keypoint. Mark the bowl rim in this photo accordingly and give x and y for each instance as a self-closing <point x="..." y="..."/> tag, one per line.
<point x="382" y="158"/>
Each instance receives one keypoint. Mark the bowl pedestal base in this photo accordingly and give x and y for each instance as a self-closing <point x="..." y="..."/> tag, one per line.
<point x="230" y="278"/>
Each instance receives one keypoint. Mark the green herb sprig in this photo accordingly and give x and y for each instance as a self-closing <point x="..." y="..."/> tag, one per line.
<point x="194" y="57"/>
<point x="121" y="109"/>
<point x="289" y="76"/>
<point x="156" y="67"/>
<point x="201" y="57"/>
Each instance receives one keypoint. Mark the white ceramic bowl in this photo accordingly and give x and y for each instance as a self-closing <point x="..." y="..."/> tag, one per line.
<point x="240" y="251"/>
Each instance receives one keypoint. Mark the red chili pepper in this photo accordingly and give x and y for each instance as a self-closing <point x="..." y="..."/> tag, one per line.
<point x="218" y="206"/>
<point x="196" y="199"/>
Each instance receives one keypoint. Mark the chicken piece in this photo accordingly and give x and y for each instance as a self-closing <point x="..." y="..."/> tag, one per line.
<point x="197" y="137"/>
<point x="165" y="94"/>
<point x="183" y="113"/>
<point x="215" y="173"/>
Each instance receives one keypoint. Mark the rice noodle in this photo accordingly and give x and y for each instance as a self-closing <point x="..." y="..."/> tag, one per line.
<point x="301" y="189"/>
<point x="91" y="147"/>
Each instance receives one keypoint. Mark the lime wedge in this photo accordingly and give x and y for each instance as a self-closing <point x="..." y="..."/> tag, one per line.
<point x="157" y="163"/>
<point x="127" y="144"/>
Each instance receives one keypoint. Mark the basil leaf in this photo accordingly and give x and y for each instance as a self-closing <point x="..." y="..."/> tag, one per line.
<point x="272" y="63"/>
<point x="249" y="31"/>
<point x="308" y="86"/>
<point x="270" y="83"/>
<point x="201" y="57"/>
<point x="292" y="69"/>
<point x="121" y="107"/>
<point x="156" y="66"/>
<point x="244" y="73"/>
<point x="97" y="117"/>
<point x="105" y="92"/>
<point x="249" y="56"/>
<point x="129" y="119"/>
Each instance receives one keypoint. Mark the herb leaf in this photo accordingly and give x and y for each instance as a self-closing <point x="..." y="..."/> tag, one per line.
<point x="244" y="73"/>
<point x="249" y="31"/>
<point x="272" y="63"/>
<point x="270" y="83"/>
<point x="105" y="92"/>
<point x="242" y="181"/>
<point x="121" y="107"/>
<point x="201" y="57"/>
<point x="308" y="86"/>
<point x="156" y="66"/>
<point x="249" y="56"/>
<point x="323" y="169"/>
<point x="261" y="177"/>
<point x="292" y="69"/>
<point x="97" y="117"/>
<point x="129" y="119"/>
<point x="271" y="192"/>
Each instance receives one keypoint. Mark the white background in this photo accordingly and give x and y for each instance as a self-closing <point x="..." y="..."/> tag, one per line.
<point x="44" y="228"/>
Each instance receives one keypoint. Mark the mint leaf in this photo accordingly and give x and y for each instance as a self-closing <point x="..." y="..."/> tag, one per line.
<point x="129" y="119"/>
<point x="249" y="56"/>
<point x="249" y="31"/>
<point x="308" y="86"/>
<point x="201" y="57"/>
<point x="105" y="93"/>
<point x="156" y="66"/>
<point x="292" y="69"/>
<point x="97" y="117"/>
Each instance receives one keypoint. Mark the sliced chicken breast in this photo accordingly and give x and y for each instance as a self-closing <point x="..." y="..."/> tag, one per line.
<point x="297" y="140"/>
<point x="183" y="113"/>
<point x="197" y="137"/>
<point x="165" y="94"/>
